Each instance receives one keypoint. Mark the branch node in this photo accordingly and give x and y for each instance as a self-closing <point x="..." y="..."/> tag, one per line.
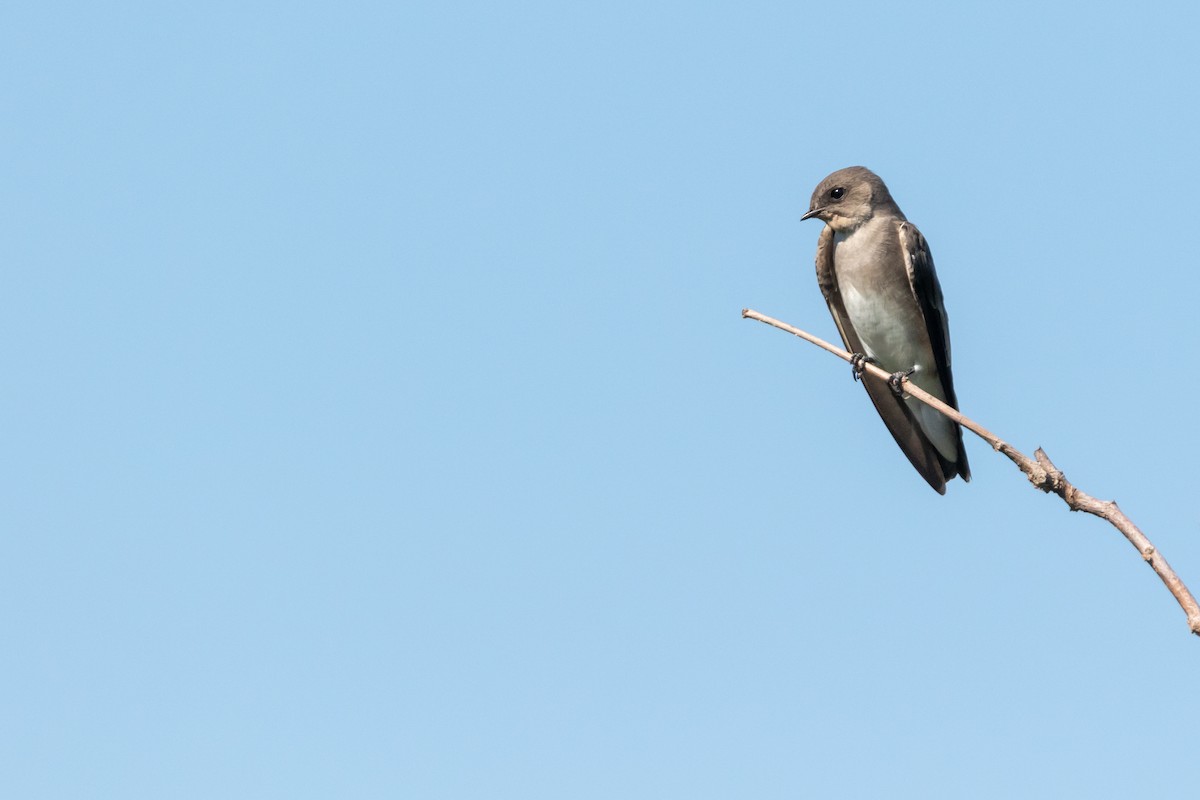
<point x="1039" y="477"/>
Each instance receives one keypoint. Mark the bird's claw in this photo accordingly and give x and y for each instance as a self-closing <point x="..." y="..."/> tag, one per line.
<point x="897" y="379"/>
<point x="858" y="363"/>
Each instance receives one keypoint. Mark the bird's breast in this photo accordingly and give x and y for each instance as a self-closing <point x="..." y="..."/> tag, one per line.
<point x="873" y="281"/>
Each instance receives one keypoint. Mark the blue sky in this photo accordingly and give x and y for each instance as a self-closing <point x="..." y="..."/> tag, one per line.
<point x="380" y="421"/>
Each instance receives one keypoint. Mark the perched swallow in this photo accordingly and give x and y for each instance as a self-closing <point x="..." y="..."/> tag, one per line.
<point x="877" y="275"/>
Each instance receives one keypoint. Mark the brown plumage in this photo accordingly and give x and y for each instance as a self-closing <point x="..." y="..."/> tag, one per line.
<point x="876" y="273"/>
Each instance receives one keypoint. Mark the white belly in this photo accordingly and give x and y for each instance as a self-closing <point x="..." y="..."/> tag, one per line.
<point x="878" y="300"/>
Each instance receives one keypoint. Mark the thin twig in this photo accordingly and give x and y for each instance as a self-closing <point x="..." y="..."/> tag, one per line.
<point x="1040" y="470"/>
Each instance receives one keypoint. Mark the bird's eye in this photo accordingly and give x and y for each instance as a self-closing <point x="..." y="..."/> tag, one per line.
<point x="837" y="193"/>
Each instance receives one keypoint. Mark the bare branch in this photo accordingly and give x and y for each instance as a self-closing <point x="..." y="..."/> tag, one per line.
<point x="1040" y="470"/>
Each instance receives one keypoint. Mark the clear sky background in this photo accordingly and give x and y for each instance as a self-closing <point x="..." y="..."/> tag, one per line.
<point x="379" y="420"/>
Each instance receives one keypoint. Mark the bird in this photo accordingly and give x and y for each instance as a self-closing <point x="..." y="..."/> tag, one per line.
<point x="876" y="273"/>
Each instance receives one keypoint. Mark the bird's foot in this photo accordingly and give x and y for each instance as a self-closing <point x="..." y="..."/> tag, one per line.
<point x="858" y="362"/>
<point x="898" y="378"/>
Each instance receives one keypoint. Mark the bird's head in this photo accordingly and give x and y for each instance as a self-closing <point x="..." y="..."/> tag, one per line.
<point x="848" y="198"/>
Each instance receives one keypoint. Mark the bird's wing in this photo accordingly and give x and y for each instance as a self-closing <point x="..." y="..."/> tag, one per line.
<point x="928" y="292"/>
<point x="827" y="280"/>
<point x="895" y="414"/>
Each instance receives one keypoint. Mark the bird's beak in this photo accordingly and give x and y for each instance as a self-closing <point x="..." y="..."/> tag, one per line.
<point x="812" y="212"/>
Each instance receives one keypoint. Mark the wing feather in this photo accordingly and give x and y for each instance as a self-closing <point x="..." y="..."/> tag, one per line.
<point x="928" y="293"/>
